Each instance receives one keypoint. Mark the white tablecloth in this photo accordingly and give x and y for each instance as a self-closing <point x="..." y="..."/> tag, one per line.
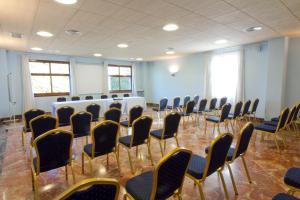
<point x="127" y="104"/>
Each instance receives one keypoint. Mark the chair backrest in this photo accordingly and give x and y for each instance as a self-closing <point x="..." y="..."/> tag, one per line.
<point x="186" y="100"/>
<point x="94" y="109"/>
<point x="171" y="124"/>
<point x="104" y="137"/>
<point x="196" y="99"/>
<point x="296" y="113"/>
<point x="61" y="99"/>
<point x="76" y="98"/>
<point x="134" y="113"/>
<point x="282" y="119"/>
<point x="246" y="108"/>
<point x="113" y="114"/>
<point x="176" y="102"/>
<point x="125" y="95"/>
<point x="169" y="174"/>
<point x="202" y="105"/>
<point x="217" y="153"/>
<point x="89" y="97"/>
<point x="53" y="150"/>
<point x="92" y="189"/>
<point x="225" y="112"/>
<point x="189" y="107"/>
<point x="237" y="109"/>
<point x="116" y="105"/>
<point x="42" y="124"/>
<point x="81" y="124"/>
<point x="114" y="96"/>
<point x="140" y="130"/>
<point x="163" y="103"/>
<point x="223" y="101"/>
<point x="103" y="96"/>
<point x="213" y="104"/>
<point x="30" y="114"/>
<point x="254" y="106"/>
<point x="243" y="140"/>
<point x="291" y="115"/>
<point x="64" y="114"/>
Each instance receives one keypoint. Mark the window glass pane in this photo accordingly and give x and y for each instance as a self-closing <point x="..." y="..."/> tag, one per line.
<point x="59" y="68"/>
<point x="125" y="83"/>
<point x="39" y="67"/>
<point x="114" y="83"/>
<point x="41" y="84"/>
<point x="113" y="70"/>
<point x="125" y="71"/>
<point x="60" y="84"/>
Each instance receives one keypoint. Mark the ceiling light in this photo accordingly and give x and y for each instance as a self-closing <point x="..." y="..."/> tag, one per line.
<point x="139" y="59"/>
<point x="97" y="54"/>
<point x="122" y="45"/>
<point x="36" y="49"/>
<point x="170" y="51"/>
<point x="67" y="2"/>
<point x="254" y="28"/>
<point x="44" y="34"/>
<point x="221" y="41"/>
<point x="131" y="58"/>
<point x="170" y="27"/>
<point x="72" y="32"/>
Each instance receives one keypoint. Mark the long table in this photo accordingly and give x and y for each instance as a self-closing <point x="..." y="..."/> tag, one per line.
<point x="127" y="104"/>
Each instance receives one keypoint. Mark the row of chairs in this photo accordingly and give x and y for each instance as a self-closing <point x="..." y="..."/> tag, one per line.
<point x="77" y="98"/>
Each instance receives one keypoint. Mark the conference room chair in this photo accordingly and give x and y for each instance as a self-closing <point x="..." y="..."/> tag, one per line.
<point x="284" y="196"/>
<point x="92" y="189"/>
<point x="61" y="99"/>
<point x="42" y="124"/>
<point x="201" y="109"/>
<point x="163" y="103"/>
<point x="245" y="110"/>
<point x="89" y="97"/>
<point x="53" y="150"/>
<point x="104" y="141"/>
<point x="185" y="101"/>
<point x="27" y="116"/>
<point x="187" y="112"/>
<point x="75" y="98"/>
<point x="212" y="105"/>
<point x="64" y="114"/>
<point x="117" y="105"/>
<point x="113" y="114"/>
<point x="114" y="96"/>
<point x="166" y="180"/>
<point x="103" y="96"/>
<point x="134" y="113"/>
<point x="200" y="168"/>
<point x="140" y="135"/>
<point x="235" y="115"/>
<point x="126" y="95"/>
<point x="170" y="130"/>
<point x="292" y="180"/>
<point x="295" y="120"/>
<point x="196" y="99"/>
<point x="223" y="101"/>
<point x="252" y="112"/>
<point x="275" y="130"/>
<point x="81" y="124"/>
<point x="217" y="120"/>
<point x="176" y="104"/>
<point x="94" y="109"/>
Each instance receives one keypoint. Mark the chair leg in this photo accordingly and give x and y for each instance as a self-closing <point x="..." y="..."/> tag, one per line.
<point x="219" y="130"/>
<point x="34" y="185"/>
<point x="91" y="165"/>
<point x="82" y="163"/>
<point x="231" y="124"/>
<point x="165" y="144"/>
<point x="149" y="152"/>
<point x="224" y="184"/>
<point x="232" y="180"/>
<point x="176" y="139"/>
<point x="246" y="169"/>
<point x="66" y="168"/>
<point x="205" y="126"/>
<point x="118" y="161"/>
<point x="23" y="140"/>
<point x="161" y="149"/>
<point x="107" y="161"/>
<point x="214" y="128"/>
<point x="73" y="174"/>
<point x="284" y="140"/>
<point x="276" y="142"/>
<point x="136" y="151"/>
<point x="201" y="191"/>
<point x="130" y="162"/>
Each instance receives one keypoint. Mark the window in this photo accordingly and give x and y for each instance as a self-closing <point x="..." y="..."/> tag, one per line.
<point x="119" y="78"/>
<point x="50" y="78"/>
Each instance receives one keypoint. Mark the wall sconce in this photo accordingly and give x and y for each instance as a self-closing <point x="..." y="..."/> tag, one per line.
<point x="173" y="69"/>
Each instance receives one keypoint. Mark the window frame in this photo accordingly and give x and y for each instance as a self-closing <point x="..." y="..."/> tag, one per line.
<point x="50" y="74"/>
<point x="120" y="76"/>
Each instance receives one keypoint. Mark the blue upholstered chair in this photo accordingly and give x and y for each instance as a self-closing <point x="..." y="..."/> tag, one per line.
<point x="292" y="180"/>
<point x="223" y="101"/>
<point x="126" y="95"/>
<point x="134" y="113"/>
<point x="81" y="124"/>
<point x="61" y="99"/>
<point x="166" y="180"/>
<point x="140" y="135"/>
<point x="170" y="130"/>
<point x="92" y="189"/>
<point x="94" y="109"/>
<point x="284" y="196"/>
<point x="176" y="104"/>
<point x="89" y="97"/>
<point x="201" y="108"/>
<point x="186" y="99"/>
<point x="235" y="115"/>
<point x="200" y="168"/>
<point x="114" y="96"/>
<point x="117" y="105"/>
<point x="163" y="103"/>
<point x="42" y="124"/>
<point x="75" y="98"/>
<point x="103" y="96"/>
<point x="245" y="110"/>
<point x="113" y="114"/>
<point x="64" y="114"/>
<point x="212" y="105"/>
<point x="288" y="122"/>
<point x="295" y="120"/>
<point x="216" y="120"/>
<point x="252" y="112"/>
<point x="196" y="99"/>
<point x="104" y="141"/>
<point x="187" y="112"/>
<point x="275" y="130"/>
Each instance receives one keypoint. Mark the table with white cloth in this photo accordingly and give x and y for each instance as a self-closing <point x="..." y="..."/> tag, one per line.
<point x="127" y="104"/>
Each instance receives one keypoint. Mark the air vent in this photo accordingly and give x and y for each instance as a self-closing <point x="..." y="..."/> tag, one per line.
<point x="16" y="35"/>
<point x="73" y="32"/>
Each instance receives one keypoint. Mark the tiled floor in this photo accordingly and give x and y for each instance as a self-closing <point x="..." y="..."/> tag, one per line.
<point x="266" y="165"/>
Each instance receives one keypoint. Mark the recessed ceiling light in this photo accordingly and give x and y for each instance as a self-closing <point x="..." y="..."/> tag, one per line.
<point x="170" y="27"/>
<point x="44" y="34"/>
<point x="67" y="2"/>
<point x="254" y="28"/>
<point x="222" y="41"/>
<point x="139" y="59"/>
<point x="97" y="54"/>
<point x="170" y="51"/>
<point x="36" y="49"/>
<point x="122" y="45"/>
<point x="72" y="32"/>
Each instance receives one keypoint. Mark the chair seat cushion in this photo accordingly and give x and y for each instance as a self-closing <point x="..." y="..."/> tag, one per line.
<point x="139" y="187"/>
<point x="88" y="150"/>
<point x="284" y="196"/>
<point x="292" y="177"/>
<point x="196" y="166"/>
<point x="126" y="140"/>
<point x="124" y="123"/>
<point x="213" y="119"/>
<point x="157" y="133"/>
<point x="275" y="119"/>
<point x="271" y="123"/>
<point x="264" y="127"/>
